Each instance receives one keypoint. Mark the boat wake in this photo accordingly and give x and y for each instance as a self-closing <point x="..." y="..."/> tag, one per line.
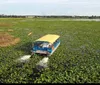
<point x="42" y="63"/>
<point x="24" y="58"/>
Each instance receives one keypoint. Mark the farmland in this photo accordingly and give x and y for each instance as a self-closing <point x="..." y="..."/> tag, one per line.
<point x="77" y="59"/>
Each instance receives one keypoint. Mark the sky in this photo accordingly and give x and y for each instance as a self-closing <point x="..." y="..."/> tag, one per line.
<point x="50" y="7"/>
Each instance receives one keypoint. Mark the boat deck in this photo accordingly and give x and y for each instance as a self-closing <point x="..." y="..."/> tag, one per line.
<point x="41" y="52"/>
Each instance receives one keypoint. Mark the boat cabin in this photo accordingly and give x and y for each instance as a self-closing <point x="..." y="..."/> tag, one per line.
<point x="46" y="44"/>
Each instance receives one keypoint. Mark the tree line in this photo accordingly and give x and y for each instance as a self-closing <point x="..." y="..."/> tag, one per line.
<point x="49" y="16"/>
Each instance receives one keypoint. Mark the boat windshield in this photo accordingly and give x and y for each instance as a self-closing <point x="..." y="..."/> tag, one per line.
<point x="42" y="44"/>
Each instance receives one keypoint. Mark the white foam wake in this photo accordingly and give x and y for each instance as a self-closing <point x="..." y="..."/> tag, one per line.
<point x="43" y="63"/>
<point x="24" y="58"/>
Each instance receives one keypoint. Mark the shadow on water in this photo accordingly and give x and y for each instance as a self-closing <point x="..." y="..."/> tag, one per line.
<point x="36" y="74"/>
<point x="27" y="47"/>
<point x="43" y="55"/>
<point x="39" y="69"/>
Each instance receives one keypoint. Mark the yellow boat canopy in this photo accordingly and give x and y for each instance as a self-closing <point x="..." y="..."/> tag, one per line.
<point x="51" y="38"/>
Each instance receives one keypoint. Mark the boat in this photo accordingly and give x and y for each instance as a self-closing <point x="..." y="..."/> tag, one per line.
<point x="46" y="44"/>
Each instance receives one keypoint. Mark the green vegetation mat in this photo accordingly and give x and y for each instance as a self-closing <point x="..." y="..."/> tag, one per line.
<point x="77" y="59"/>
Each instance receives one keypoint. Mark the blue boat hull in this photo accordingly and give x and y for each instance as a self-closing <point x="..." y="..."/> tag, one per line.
<point x="47" y="51"/>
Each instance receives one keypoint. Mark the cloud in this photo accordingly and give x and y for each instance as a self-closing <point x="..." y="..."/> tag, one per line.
<point x="50" y="6"/>
<point x="32" y="1"/>
<point x="48" y="1"/>
<point x="64" y="2"/>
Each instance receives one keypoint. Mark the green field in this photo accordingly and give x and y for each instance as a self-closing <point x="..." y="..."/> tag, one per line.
<point x="77" y="59"/>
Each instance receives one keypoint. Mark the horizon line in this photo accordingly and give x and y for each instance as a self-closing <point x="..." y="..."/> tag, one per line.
<point x="45" y="15"/>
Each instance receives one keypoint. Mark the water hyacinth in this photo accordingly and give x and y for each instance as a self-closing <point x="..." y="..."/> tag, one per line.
<point x="76" y="60"/>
